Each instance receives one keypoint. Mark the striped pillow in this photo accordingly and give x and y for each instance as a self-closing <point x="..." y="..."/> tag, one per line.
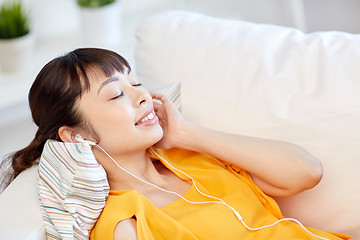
<point x="73" y="188"/>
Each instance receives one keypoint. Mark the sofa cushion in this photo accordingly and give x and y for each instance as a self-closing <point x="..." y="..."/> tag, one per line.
<point x="20" y="210"/>
<point x="268" y="81"/>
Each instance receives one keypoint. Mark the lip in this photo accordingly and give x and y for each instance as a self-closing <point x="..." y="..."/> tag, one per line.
<point x="148" y="122"/>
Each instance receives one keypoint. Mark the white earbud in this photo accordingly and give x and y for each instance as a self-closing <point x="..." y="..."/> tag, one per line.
<point x="79" y="139"/>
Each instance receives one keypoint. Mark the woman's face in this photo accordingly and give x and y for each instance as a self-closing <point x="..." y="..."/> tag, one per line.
<point x="120" y="112"/>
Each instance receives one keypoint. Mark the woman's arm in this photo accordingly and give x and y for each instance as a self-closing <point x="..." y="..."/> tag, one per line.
<point x="125" y="230"/>
<point x="278" y="168"/>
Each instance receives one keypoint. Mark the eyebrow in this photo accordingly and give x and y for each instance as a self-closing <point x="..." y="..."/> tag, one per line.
<point x="107" y="81"/>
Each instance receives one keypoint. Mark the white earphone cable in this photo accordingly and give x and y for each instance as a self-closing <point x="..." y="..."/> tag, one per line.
<point x="237" y="214"/>
<point x="149" y="183"/>
<point x="218" y="200"/>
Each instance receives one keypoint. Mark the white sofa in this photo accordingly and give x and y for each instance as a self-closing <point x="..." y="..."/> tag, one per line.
<point x="253" y="79"/>
<point x="269" y="81"/>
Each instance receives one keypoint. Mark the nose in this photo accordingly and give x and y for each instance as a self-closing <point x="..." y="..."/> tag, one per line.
<point x="139" y="95"/>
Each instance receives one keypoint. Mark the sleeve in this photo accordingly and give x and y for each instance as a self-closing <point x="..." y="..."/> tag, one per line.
<point x="268" y="202"/>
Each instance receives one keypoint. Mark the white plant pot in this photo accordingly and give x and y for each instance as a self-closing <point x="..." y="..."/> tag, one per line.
<point x="101" y="27"/>
<point x="16" y="53"/>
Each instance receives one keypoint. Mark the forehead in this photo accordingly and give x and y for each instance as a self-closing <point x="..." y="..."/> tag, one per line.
<point x="94" y="74"/>
<point x="98" y="79"/>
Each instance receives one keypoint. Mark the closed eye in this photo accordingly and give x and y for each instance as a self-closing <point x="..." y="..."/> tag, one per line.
<point x="122" y="93"/>
<point x="118" y="96"/>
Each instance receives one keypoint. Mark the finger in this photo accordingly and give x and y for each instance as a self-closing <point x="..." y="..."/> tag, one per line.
<point x="156" y="95"/>
<point x="159" y="96"/>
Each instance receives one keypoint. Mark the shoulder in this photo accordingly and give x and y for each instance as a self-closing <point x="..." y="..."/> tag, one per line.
<point x="182" y="157"/>
<point x="125" y="229"/>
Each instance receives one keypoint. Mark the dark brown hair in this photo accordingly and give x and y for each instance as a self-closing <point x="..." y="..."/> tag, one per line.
<point x="52" y="99"/>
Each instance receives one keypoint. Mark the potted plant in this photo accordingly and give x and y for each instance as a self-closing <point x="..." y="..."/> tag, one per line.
<point x="101" y="22"/>
<point x="94" y="3"/>
<point x="16" y="40"/>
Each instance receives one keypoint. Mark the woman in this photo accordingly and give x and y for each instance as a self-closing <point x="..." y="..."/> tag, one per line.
<point x="94" y="93"/>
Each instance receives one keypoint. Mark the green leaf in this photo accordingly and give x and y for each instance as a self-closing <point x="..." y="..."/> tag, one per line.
<point x="94" y="3"/>
<point x="14" y="22"/>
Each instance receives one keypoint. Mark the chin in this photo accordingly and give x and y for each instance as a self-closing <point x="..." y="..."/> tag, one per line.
<point x="159" y="133"/>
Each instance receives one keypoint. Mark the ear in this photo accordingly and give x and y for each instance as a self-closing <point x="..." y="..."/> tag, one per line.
<point x="67" y="134"/>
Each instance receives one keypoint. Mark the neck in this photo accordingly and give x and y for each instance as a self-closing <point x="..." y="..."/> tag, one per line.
<point x="137" y="163"/>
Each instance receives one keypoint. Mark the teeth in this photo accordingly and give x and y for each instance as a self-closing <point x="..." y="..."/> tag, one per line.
<point x="148" y="117"/>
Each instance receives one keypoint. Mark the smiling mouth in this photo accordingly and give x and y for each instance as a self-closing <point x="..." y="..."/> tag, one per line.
<point x="147" y="118"/>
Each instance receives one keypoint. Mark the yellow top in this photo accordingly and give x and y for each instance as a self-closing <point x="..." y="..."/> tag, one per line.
<point x="183" y="220"/>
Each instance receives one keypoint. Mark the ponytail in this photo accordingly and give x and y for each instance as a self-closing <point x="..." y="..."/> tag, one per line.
<point x="25" y="158"/>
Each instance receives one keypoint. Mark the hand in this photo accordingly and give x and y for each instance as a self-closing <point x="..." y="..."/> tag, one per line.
<point x="171" y="121"/>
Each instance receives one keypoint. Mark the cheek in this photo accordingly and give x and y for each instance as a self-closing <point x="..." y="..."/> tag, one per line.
<point x="115" y="121"/>
<point x="107" y="121"/>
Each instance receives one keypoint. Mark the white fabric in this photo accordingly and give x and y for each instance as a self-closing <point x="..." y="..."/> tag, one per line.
<point x="20" y="210"/>
<point x="269" y="81"/>
<point x="73" y="188"/>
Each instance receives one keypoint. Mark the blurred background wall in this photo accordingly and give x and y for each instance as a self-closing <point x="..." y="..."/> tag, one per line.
<point x="53" y="17"/>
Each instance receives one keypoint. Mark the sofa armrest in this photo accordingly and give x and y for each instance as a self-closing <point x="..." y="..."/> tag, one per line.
<point x="20" y="210"/>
